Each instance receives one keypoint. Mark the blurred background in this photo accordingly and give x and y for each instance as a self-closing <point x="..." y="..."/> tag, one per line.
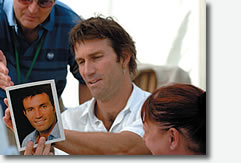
<point x="170" y="38"/>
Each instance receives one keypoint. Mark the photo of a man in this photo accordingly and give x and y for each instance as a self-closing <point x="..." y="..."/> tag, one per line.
<point x="35" y="112"/>
<point x="38" y="107"/>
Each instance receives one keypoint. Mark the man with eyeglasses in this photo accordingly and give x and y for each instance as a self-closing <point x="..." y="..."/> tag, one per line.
<point x="34" y="44"/>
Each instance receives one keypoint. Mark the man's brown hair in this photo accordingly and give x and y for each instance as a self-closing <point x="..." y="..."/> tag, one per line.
<point x="102" y="28"/>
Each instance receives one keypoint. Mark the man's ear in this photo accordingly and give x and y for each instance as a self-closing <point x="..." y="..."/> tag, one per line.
<point x="24" y="112"/>
<point x="125" y="59"/>
<point x="174" y="138"/>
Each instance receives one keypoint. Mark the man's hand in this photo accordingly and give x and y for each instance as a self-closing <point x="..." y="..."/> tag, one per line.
<point x="7" y="117"/>
<point x="42" y="148"/>
<point x="5" y="80"/>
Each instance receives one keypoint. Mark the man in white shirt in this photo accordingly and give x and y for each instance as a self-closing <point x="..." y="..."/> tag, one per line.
<point x="110" y="123"/>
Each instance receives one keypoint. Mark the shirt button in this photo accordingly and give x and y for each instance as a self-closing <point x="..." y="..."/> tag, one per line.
<point x="97" y="122"/>
<point x="50" y="56"/>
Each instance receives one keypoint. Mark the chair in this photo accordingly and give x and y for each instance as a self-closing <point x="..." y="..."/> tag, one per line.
<point x="150" y="77"/>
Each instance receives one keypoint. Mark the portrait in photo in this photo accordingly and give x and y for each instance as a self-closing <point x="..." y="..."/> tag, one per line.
<point x="35" y="113"/>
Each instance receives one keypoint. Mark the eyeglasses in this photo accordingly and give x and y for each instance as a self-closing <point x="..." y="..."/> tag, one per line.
<point x="41" y="3"/>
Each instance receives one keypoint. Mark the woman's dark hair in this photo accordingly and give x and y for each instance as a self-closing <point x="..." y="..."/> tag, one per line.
<point x="180" y="106"/>
<point x="101" y="28"/>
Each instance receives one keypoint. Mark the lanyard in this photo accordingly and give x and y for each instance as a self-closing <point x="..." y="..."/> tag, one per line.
<point x="34" y="59"/>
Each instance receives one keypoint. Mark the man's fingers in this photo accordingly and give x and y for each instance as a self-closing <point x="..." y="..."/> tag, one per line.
<point x="5" y="80"/>
<point x="4" y="84"/>
<point x="3" y="68"/>
<point x="3" y="64"/>
<point x="40" y="147"/>
<point x="5" y="101"/>
<point x="3" y="58"/>
<point x="29" y="148"/>
<point x="7" y="116"/>
<point x="47" y="150"/>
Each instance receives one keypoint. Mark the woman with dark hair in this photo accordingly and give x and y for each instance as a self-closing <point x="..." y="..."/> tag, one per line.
<point x="174" y="118"/>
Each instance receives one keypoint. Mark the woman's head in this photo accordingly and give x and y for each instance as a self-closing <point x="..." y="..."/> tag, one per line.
<point x="174" y="119"/>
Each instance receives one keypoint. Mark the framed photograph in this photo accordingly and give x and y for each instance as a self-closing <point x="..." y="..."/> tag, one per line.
<point x="35" y="113"/>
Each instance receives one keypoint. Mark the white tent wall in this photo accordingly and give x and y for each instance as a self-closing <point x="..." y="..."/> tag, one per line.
<point x="166" y="33"/>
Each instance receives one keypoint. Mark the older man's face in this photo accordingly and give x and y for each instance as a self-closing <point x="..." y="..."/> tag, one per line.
<point x="30" y="15"/>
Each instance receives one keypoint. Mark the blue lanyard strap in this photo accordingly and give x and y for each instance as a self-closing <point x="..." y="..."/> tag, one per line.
<point x="34" y="59"/>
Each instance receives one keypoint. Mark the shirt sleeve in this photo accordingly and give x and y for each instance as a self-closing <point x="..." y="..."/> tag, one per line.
<point x="135" y="126"/>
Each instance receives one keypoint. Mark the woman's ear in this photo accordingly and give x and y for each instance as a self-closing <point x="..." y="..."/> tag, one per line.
<point x="174" y="138"/>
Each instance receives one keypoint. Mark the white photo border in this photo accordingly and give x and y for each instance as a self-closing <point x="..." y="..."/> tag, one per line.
<point x="56" y="103"/>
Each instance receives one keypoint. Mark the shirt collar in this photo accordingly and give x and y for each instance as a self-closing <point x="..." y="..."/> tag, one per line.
<point x="34" y="138"/>
<point x="8" y="8"/>
<point x="49" y="23"/>
<point x="130" y="99"/>
<point x="55" y="132"/>
<point x="134" y="96"/>
<point x="89" y="108"/>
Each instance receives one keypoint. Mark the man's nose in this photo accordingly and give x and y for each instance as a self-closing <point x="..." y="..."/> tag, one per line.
<point x="38" y="113"/>
<point x="33" y="7"/>
<point x="89" y="68"/>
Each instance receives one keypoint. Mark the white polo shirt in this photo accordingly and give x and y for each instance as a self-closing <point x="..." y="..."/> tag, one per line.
<point x="83" y="119"/>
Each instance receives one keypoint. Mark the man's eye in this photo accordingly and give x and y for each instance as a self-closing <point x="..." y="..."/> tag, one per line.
<point x="29" y="110"/>
<point x="97" y="57"/>
<point x="44" y="106"/>
<point x="80" y="62"/>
